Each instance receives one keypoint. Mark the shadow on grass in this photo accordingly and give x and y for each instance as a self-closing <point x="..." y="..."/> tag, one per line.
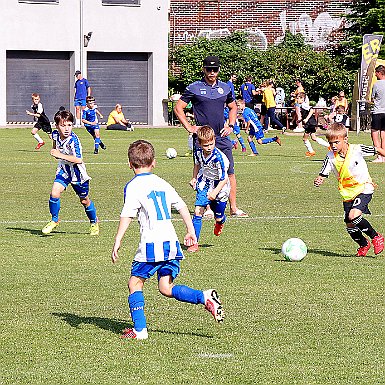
<point x="201" y="246"/>
<point x="325" y="253"/>
<point x="114" y="325"/>
<point x="38" y="232"/>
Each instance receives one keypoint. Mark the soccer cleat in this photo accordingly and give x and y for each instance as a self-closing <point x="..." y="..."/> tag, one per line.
<point x="102" y="146"/>
<point x="132" y="333"/>
<point x="213" y="305"/>
<point x="378" y="243"/>
<point x="193" y="248"/>
<point x="309" y="154"/>
<point x="39" y="145"/>
<point x="278" y="141"/>
<point x="49" y="227"/>
<point x="244" y="149"/>
<point x="94" y="228"/>
<point x="218" y="227"/>
<point x="96" y="151"/>
<point x="363" y="250"/>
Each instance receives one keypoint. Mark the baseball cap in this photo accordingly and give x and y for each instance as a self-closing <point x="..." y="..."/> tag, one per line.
<point x="77" y="73"/>
<point x="211" y="61"/>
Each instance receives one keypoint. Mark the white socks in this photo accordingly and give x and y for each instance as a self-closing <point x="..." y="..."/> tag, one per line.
<point x="38" y="138"/>
<point x="322" y="142"/>
<point x="308" y="145"/>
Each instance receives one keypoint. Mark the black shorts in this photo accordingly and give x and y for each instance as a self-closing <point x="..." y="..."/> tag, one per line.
<point x="310" y="128"/>
<point x="378" y="122"/>
<point x="44" y="126"/>
<point x="360" y="202"/>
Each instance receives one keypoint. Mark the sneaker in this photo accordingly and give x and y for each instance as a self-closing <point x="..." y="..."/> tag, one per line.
<point x="278" y="141"/>
<point x="132" y="333"/>
<point x="235" y="145"/>
<point x="96" y="151"/>
<point x="49" y="227"/>
<point x="298" y="129"/>
<point x="378" y="243"/>
<point x="94" y="229"/>
<point x="244" y="149"/>
<point x="283" y="130"/>
<point x="103" y="146"/>
<point x="218" y="227"/>
<point x="214" y="305"/>
<point x="39" y="145"/>
<point x="193" y="248"/>
<point x="363" y="250"/>
<point x="309" y="154"/>
<point x="239" y="214"/>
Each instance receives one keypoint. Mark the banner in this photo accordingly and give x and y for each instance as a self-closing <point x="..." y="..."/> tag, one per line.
<point x="370" y="48"/>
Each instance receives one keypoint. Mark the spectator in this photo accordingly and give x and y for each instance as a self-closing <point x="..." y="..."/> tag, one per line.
<point x="341" y="101"/>
<point x="248" y="92"/>
<point x="231" y="82"/>
<point x="298" y="90"/>
<point x="82" y="90"/>
<point x="117" y="121"/>
<point x="378" y="114"/>
<point x="269" y="100"/>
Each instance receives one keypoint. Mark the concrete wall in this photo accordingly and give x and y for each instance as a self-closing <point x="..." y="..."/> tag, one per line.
<point x="58" y="27"/>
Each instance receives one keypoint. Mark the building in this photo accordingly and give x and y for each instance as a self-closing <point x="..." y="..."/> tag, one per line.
<point x="121" y="47"/>
<point x="264" y="21"/>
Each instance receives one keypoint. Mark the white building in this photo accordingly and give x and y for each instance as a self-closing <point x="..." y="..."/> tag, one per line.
<point x="121" y="47"/>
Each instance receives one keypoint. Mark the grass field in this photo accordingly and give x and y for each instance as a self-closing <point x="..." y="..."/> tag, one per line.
<point x="63" y="303"/>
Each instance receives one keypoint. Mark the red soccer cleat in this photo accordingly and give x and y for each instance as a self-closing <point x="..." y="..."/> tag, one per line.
<point x="378" y="243"/>
<point x="218" y="228"/>
<point x="363" y="250"/>
<point x="39" y="145"/>
<point x="132" y="333"/>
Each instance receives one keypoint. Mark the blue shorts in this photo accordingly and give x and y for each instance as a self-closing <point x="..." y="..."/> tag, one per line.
<point x="81" y="190"/>
<point x="218" y="207"/>
<point x="147" y="269"/>
<point x="80" y="102"/>
<point x="257" y="135"/>
<point x="236" y="129"/>
<point x="91" y="129"/>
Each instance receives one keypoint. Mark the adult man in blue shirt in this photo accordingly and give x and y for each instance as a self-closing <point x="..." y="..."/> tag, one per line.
<point x="82" y="90"/>
<point x="208" y="98"/>
<point x="248" y="91"/>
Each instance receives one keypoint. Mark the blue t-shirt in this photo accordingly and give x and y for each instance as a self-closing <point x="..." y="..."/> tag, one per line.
<point x="90" y="115"/>
<point x="247" y="92"/>
<point x="81" y="86"/>
<point x="208" y="103"/>
<point x="231" y="85"/>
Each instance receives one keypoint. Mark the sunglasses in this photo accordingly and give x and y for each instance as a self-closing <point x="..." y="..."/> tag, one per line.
<point x="212" y="69"/>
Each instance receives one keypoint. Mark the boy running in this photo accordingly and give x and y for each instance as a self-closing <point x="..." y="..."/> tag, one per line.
<point x="150" y="198"/>
<point x="354" y="183"/>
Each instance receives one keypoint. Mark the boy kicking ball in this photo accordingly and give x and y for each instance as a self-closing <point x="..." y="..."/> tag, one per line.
<point x="354" y="183"/>
<point x="150" y="198"/>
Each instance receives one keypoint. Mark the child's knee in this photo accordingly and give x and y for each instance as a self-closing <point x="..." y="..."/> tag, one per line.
<point x="165" y="286"/>
<point x="199" y="210"/>
<point x="85" y="201"/>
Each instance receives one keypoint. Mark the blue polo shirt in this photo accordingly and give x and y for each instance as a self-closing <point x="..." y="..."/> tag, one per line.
<point x="81" y="86"/>
<point x="231" y="85"/>
<point x="208" y="103"/>
<point x="247" y="92"/>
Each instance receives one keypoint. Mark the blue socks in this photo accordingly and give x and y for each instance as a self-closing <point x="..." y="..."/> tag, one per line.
<point x="187" y="294"/>
<point x="136" y="303"/>
<point x="91" y="212"/>
<point x="197" y="223"/>
<point x="242" y="142"/>
<point x="54" y="208"/>
<point x="97" y="142"/>
<point x="268" y="140"/>
<point x="253" y="148"/>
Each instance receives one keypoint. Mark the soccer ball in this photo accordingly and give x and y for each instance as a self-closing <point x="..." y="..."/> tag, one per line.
<point x="294" y="249"/>
<point x="171" y="153"/>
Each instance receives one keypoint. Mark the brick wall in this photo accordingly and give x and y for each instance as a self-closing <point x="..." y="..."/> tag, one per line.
<point x="264" y="20"/>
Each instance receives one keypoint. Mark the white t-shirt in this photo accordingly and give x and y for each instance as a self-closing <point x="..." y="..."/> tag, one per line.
<point x="150" y="198"/>
<point x="378" y="96"/>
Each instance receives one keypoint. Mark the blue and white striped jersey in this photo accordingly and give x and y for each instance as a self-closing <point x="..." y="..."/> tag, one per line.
<point x="212" y="170"/>
<point x="150" y="198"/>
<point x="76" y="173"/>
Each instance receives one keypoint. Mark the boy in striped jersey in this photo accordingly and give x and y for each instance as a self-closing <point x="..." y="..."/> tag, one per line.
<point x="150" y="198"/>
<point x="211" y="182"/>
<point x="70" y="170"/>
<point x="354" y="183"/>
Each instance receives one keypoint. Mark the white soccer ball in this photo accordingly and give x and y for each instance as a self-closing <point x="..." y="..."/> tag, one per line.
<point x="171" y="153"/>
<point x="294" y="250"/>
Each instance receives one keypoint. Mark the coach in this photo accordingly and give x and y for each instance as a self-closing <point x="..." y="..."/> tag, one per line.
<point x="208" y="98"/>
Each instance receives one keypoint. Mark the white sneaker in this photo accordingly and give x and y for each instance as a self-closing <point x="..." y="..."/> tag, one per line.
<point x="298" y="129"/>
<point x="132" y="333"/>
<point x="214" y="305"/>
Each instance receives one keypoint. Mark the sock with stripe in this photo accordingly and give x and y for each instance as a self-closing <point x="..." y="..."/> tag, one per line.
<point x="136" y="303"/>
<point x="364" y="225"/>
<point x="97" y="142"/>
<point x="54" y="208"/>
<point x="357" y="235"/>
<point x="91" y="212"/>
<point x="187" y="294"/>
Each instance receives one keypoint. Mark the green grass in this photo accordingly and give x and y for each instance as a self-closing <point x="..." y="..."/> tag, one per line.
<point x="63" y="304"/>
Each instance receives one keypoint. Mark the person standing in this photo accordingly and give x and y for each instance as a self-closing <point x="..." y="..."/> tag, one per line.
<point x="378" y="114"/>
<point x="82" y="90"/>
<point x="231" y="82"/>
<point x="209" y="97"/>
<point x="269" y="100"/>
<point x="248" y="92"/>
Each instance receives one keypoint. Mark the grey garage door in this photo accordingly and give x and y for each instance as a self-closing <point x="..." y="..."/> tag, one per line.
<point x="46" y="73"/>
<point x="120" y="78"/>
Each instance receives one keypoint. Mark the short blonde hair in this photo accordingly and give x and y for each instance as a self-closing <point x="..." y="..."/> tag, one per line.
<point x="336" y="130"/>
<point x="205" y="134"/>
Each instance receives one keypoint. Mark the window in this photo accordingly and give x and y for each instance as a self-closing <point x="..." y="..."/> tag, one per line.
<point x="121" y="2"/>
<point x="40" y="1"/>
